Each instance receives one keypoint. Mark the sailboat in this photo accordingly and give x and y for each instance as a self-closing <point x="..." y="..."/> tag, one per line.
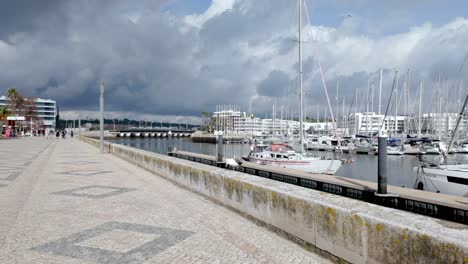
<point x="449" y="179"/>
<point x="281" y="154"/>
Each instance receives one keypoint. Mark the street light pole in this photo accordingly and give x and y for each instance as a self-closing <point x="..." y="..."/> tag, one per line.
<point x="101" y="123"/>
<point x="79" y="126"/>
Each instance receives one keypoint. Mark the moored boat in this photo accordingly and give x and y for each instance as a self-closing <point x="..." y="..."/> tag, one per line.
<point x="282" y="155"/>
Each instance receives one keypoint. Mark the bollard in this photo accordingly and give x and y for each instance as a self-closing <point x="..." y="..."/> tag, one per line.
<point x="382" y="163"/>
<point x="219" y="146"/>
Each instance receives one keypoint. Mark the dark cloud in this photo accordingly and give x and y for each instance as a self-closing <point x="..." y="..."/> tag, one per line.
<point x="154" y="62"/>
<point x="275" y="85"/>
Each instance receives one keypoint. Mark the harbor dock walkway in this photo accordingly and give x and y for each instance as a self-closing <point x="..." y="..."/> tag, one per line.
<point x="61" y="201"/>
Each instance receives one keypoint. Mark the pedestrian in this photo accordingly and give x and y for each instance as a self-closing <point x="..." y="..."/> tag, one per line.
<point x="71" y="133"/>
<point x="57" y="134"/>
<point x="63" y="133"/>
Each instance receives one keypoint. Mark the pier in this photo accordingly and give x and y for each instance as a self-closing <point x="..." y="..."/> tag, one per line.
<point x="63" y="202"/>
<point x="342" y="228"/>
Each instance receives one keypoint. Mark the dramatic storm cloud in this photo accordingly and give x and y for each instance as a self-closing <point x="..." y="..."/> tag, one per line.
<point x="179" y="58"/>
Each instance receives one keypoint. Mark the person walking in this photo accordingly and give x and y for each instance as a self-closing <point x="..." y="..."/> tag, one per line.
<point x="71" y="133"/>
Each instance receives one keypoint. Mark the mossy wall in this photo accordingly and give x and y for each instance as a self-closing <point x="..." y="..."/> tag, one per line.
<point x="351" y="230"/>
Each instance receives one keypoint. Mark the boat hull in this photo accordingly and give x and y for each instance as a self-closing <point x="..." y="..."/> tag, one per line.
<point x="318" y="166"/>
<point x="437" y="180"/>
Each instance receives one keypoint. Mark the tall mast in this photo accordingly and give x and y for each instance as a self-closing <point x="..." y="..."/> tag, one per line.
<point x="367" y="107"/>
<point x="337" y="109"/>
<point x="396" y="104"/>
<point x="420" y="108"/>
<point x="355" y="112"/>
<point x="372" y="110"/>
<point x="439" y="110"/>
<point x="380" y="93"/>
<point x="301" y="92"/>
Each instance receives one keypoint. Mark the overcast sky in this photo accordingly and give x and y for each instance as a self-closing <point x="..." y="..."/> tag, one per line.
<point x="175" y="59"/>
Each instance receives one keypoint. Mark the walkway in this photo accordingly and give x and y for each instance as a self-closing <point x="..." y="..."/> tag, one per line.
<point x="63" y="202"/>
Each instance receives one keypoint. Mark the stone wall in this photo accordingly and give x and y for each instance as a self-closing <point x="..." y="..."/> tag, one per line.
<point x="350" y="230"/>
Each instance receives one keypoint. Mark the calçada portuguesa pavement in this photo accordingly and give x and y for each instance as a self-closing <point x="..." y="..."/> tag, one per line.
<point x="61" y="201"/>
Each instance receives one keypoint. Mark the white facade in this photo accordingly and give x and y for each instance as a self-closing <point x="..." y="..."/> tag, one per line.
<point x="46" y="110"/>
<point x="236" y="122"/>
<point x="432" y="123"/>
<point x="367" y="123"/>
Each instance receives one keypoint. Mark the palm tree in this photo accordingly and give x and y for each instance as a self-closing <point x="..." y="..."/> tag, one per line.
<point x="16" y="101"/>
<point x="4" y="113"/>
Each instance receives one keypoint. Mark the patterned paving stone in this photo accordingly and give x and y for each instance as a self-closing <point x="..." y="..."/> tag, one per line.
<point x="11" y="176"/>
<point x="84" y="172"/>
<point x="127" y="215"/>
<point x="95" y="191"/>
<point x="116" y="243"/>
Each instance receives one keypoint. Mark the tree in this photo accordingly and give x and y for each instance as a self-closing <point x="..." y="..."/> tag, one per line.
<point x="30" y="109"/>
<point x="4" y="113"/>
<point x="16" y="102"/>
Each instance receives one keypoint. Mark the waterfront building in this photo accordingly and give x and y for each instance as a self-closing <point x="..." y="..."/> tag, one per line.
<point x="443" y="123"/>
<point x="369" y="122"/>
<point x="45" y="110"/>
<point x="232" y="121"/>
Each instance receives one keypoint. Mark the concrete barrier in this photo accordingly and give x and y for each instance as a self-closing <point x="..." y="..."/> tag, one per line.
<point x="343" y="228"/>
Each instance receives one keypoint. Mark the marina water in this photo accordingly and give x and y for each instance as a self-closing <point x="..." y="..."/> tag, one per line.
<point x="364" y="167"/>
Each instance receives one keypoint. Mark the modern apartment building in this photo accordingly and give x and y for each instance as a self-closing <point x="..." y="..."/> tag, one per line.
<point x="46" y="110"/>
<point x="369" y="122"/>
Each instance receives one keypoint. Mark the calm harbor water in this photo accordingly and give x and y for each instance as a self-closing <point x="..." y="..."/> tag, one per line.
<point x="364" y="167"/>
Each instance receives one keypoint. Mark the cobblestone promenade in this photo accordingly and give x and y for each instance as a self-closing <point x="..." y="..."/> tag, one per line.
<point x="63" y="202"/>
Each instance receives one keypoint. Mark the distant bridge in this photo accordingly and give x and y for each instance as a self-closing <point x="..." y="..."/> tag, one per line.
<point x="153" y="132"/>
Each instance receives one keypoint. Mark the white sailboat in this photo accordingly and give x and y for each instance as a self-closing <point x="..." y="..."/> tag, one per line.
<point x="449" y="179"/>
<point x="281" y="154"/>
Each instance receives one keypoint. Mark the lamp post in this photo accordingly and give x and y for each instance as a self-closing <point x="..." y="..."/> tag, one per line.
<point x="101" y="123"/>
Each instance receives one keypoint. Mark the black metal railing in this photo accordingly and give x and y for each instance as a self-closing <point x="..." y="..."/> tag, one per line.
<point x="440" y="211"/>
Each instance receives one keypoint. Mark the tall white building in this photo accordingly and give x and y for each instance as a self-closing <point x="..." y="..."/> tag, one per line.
<point x="46" y="110"/>
<point x="369" y="122"/>
<point x="433" y="123"/>
<point x="236" y="122"/>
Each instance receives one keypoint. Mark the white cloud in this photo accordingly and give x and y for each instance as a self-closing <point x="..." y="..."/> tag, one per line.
<point x="217" y="7"/>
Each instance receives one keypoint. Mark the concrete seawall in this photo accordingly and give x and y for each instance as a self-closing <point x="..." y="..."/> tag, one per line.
<point x="348" y="229"/>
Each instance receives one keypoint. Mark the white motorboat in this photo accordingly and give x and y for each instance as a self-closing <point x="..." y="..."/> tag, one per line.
<point x="363" y="146"/>
<point x="282" y="155"/>
<point x="462" y="148"/>
<point x="435" y="148"/>
<point x="413" y="149"/>
<point x="394" y="150"/>
<point x="448" y="179"/>
<point x="322" y="144"/>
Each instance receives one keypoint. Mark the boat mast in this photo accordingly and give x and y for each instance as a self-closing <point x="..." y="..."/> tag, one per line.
<point x="396" y="104"/>
<point x="301" y="95"/>
<point x="367" y="107"/>
<point x="337" y="107"/>
<point x="420" y="108"/>
<point x="355" y="112"/>
<point x="439" y="110"/>
<point x="460" y="117"/>
<point x="380" y="93"/>
<point x="372" y="110"/>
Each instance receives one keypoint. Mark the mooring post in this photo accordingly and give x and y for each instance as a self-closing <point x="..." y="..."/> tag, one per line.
<point x="169" y="151"/>
<point x="382" y="163"/>
<point x="219" y="147"/>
